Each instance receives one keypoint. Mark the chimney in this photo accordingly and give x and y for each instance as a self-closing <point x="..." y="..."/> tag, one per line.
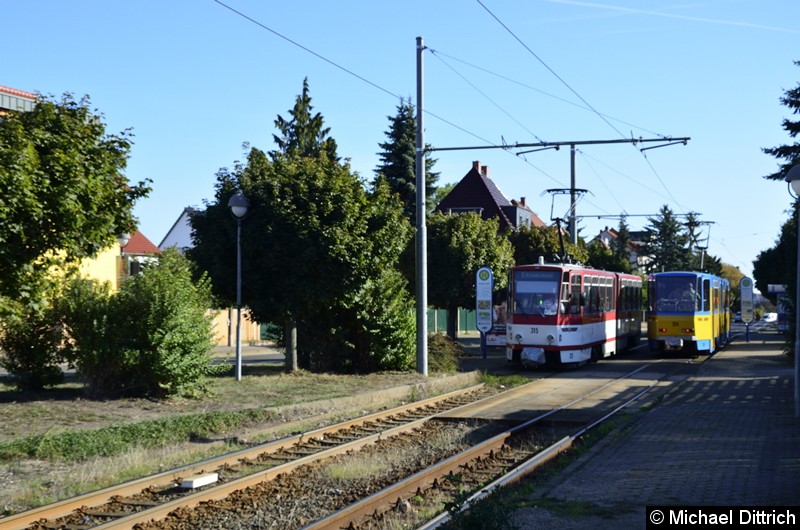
<point x="485" y="171"/>
<point x="522" y="201"/>
<point x="476" y="165"/>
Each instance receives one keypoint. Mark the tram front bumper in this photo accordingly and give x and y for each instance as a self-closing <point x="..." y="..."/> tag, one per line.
<point x="673" y="343"/>
<point x="532" y="357"/>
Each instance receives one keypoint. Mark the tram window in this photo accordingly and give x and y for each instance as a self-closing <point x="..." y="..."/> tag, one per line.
<point x="707" y="297"/>
<point x="586" y="297"/>
<point x="624" y="303"/>
<point x="536" y="292"/>
<point x="575" y="298"/>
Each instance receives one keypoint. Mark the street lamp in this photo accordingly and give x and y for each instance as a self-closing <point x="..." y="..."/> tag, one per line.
<point x="793" y="178"/>
<point x="238" y="204"/>
<point x="123" y="240"/>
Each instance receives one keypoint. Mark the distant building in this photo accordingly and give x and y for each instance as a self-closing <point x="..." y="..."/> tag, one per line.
<point x="13" y="100"/>
<point x="117" y="263"/>
<point x="638" y="260"/>
<point x="476" y="192"/>
<point x="180" y="234"/>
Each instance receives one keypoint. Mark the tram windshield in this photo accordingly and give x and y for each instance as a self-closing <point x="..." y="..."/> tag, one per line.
<point x="536" y="292"/>
<point x="679" y="294"/>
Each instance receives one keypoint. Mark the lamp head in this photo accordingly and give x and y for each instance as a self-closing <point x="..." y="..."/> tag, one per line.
<point x="123" y="240"/>
<point x="793" y="178"/>
<point x="238" y="204"/>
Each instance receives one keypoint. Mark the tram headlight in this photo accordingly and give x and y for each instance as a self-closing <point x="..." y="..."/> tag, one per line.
<point x="518" y="337"/>
<point x="550" y="339"/>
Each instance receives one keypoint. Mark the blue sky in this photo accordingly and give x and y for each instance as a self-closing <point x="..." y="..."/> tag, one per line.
<point x="195" y="81"/>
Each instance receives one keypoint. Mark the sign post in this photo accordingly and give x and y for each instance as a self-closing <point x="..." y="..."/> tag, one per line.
<point x="484" y="286"/>
<point x="748" y="304"/>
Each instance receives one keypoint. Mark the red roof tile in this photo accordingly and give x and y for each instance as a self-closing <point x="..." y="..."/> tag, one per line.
<point x="16" y="92"/>
<point x="139" y="244"/>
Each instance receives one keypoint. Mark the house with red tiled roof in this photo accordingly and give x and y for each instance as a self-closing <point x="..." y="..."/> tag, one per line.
<point x="14" y="100"/>
<point x="137" y="252"/>
<point x="120" y="261"/>
<point x="478" y="193"/>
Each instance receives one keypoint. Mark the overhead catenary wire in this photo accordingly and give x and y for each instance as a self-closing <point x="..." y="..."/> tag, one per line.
<point x="440" y="54"/>
<point x="575" y="92"/>
<point x="342" y="68"/>
<point x="488" y="143"/>
<point x="569" y="87"/>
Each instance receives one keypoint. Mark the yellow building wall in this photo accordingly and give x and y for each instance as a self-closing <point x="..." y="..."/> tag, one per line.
<point x="106" y="267"/>
<point x="225" y="328"/>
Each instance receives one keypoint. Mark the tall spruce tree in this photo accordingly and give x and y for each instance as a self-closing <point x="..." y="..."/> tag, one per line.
<point x="620" y="247"/>
<point x="666" y="242"/>
<point x="304" y="134"/>
<point x="778" y="265"/>
<point x="399" y="161"/>
<point x="789" y="154"/>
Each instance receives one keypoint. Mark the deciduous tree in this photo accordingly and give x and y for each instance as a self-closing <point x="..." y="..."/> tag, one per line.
<point x="319" y="251"/>
<point x="63" y="193"/>
<point x="63" y="197"/>
<point x="458" y="245"/>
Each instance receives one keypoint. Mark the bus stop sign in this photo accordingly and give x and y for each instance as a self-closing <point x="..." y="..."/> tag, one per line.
<point x="484" y="285"/>
<point x="748" y="302"/>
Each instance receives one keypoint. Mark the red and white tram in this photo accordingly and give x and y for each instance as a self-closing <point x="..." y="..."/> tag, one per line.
<point x="564" y="313"/>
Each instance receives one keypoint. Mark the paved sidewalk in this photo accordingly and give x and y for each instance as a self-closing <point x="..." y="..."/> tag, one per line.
<point x="725" y="436"/>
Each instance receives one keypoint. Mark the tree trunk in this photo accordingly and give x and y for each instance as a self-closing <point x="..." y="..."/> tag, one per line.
<point x="291" y="345"/>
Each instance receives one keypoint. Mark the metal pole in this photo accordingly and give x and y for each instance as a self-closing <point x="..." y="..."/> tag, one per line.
<point x="573" y="199"/>
<point x="422" y="244"/>
<point x="238" y="299"/>
<point x="797" y="321"/>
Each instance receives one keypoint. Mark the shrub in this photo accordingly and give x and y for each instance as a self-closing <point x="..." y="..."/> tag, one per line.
<point x="30" y="335"/>
<point x="153" y="338"/>
<point x="90" y="314"/>
<point x="443" y="353"/>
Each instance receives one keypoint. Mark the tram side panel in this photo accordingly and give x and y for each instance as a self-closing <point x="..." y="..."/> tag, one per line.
<point x="585" y="323"/>
<point x="688" y="311"/>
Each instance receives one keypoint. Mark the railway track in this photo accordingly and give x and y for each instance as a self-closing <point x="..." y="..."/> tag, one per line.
<point x="493" y="463"/>
<point x="287" y="484"/>
<point x="152" y="497"/>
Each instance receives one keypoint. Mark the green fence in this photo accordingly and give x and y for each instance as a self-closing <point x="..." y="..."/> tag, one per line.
<point x="437" y="320"/>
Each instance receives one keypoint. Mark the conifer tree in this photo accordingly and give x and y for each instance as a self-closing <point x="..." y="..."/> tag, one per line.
<point x="304" y="134"/>
<point x="666" y="242"/>
<point x="620" y="247"/>
<point x="398" y="161"/>
<point x="789" y="154"/>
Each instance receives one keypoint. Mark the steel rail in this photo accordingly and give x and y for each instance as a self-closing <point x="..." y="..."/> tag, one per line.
<point x="425" y="479"/>
<point x="538" y="460"/>
<point x="101" y="496"/>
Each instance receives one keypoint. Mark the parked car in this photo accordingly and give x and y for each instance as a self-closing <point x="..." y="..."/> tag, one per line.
<point x="737" y="317"/>
<point x="770" y="317"/>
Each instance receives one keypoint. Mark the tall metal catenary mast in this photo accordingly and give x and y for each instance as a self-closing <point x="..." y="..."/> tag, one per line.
<point x="422" y="235"/>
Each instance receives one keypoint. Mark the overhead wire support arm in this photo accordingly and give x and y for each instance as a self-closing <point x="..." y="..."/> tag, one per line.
<point x="556" y="145"/>
<point x="683" y="141"/>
